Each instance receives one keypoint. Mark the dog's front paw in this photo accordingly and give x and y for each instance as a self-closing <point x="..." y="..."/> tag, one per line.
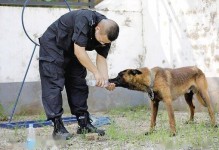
<point x="190" y="122"/>
<point x="149" y="132"/>
<point x="215" y="126"/>
<point x="172" y="134"/>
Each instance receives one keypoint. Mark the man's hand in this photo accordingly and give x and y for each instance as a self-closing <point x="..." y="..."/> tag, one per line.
<point x="100" y="81"/>
<point x="111" y="86"/>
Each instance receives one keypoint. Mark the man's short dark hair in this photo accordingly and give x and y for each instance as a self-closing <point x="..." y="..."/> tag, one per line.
<point x="113" y="31"/>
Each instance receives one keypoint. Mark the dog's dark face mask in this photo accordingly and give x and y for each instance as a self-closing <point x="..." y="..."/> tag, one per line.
<point x="124" y="78"/>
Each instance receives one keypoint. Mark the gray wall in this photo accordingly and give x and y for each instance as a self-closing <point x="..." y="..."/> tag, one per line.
<point x="99" y="98"/>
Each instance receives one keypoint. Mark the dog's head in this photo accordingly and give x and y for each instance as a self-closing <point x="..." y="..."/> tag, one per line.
<point x="126" y="78"/>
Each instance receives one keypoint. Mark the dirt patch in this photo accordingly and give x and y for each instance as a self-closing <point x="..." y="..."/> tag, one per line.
<point x="126" y="131"/>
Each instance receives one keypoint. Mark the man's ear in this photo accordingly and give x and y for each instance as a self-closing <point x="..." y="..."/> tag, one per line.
<point x="135" y="72"/>
<point x="97" y="28"/>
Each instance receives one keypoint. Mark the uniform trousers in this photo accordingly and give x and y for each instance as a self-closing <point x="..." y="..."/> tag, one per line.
<point x="58" y="69"/>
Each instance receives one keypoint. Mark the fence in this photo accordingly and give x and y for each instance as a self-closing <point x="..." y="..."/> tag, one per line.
<point x="49" y="3"/>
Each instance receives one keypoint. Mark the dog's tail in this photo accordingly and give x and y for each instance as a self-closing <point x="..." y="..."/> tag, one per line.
<point x="202" y="87"/>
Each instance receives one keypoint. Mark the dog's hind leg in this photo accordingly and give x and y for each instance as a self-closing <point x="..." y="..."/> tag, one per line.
<point x="204" y="98"/>
<point x="188" y="98"/>
<point x="203" y="94"/>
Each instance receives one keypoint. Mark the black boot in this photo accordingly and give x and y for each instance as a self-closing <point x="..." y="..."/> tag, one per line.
<point x="85" y="125"/>
<point x="60" y="132"/>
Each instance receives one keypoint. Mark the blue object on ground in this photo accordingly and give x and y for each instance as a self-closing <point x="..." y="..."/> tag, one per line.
<point x="36" y="124"/>
<point x="100" y="121"/>
<point x="97" y="122"/>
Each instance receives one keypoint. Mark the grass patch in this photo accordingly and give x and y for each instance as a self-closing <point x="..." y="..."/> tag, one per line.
<point x="131" y="123"/>
<point x="3" y="116"/>
<point x="127" y="131"/>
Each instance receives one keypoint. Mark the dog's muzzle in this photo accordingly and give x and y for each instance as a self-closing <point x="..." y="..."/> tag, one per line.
<point x="114" y="81"/>
<point x="117" y="81"/>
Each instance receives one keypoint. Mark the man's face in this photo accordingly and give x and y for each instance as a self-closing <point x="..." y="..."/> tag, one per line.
<point x="100" y="36"/>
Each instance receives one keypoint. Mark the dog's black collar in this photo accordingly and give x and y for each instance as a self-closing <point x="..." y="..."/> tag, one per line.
<point x="150" y="89"/>
<point x="152" y="75"/>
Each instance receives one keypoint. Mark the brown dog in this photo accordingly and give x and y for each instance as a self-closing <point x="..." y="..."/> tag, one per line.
<point x="165" y="84"/>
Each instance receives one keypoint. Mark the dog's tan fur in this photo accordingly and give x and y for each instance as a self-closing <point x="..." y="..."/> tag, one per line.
<point x="167" y="85"/>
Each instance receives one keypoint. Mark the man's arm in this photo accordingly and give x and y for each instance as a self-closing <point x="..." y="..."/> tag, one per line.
<point x="84" y="59"/>
<point x="102" y="66"/>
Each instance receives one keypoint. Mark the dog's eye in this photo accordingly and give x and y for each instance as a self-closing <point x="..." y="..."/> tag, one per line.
<point x="135" y="72"/>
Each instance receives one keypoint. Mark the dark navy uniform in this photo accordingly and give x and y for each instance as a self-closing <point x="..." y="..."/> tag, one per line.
<point x="59" y="66"/>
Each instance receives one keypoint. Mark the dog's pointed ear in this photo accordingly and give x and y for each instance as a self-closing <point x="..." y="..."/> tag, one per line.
<point x="135" y="72"/>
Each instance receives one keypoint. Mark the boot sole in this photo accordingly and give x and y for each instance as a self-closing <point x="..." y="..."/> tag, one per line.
<point x="61" y="137"/>
<point x="79" y="131"/>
